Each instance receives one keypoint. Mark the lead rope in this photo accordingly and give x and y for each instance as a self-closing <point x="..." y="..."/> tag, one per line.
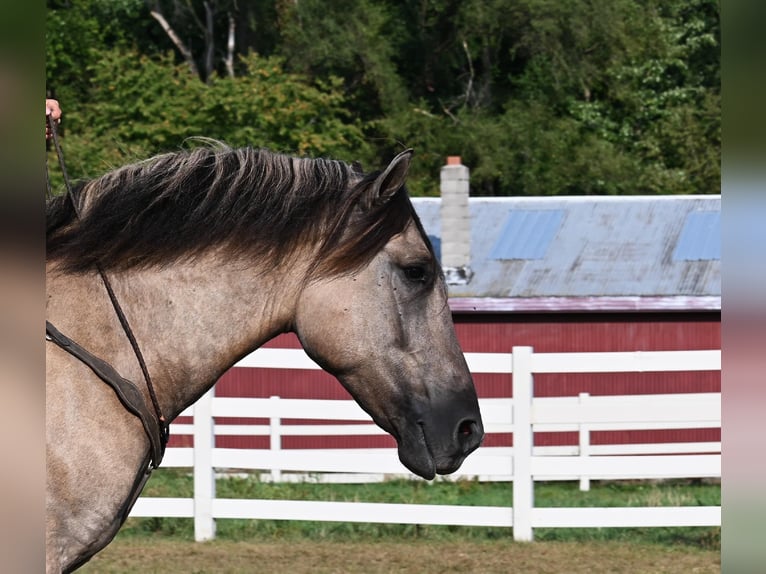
<point x="164" y="427"/>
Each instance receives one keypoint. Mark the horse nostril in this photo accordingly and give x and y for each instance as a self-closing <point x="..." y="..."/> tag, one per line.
<point x="466" y="428"/>
<point x="470" y="434"/>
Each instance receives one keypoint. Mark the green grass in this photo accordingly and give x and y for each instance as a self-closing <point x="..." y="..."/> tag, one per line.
<point x="177" y="483"/>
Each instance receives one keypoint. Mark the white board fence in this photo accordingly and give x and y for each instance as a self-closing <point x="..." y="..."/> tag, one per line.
<point x="522" y="464"/>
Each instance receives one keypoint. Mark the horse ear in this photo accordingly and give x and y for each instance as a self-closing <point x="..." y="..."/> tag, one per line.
<point x="389" y="181"/>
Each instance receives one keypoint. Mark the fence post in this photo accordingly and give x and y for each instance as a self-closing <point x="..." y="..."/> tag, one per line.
<point x="275" y="427"/>
<point x="204" y="475"/>
<point x="584" y="444"/>
<point x="523" y="443"/>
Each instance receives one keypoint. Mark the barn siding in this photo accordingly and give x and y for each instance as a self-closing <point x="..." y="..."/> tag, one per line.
<point x="497" y="333"/>
<point x="594" y="332"/>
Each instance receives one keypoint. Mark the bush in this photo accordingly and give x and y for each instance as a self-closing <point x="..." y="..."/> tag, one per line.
<point x="140" y="106"/>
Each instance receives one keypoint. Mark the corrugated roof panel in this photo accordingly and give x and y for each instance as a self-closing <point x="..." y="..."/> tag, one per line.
<point x="527" y="233"/>
<point x="605" y="247"/>
<point x="700" y="237"/>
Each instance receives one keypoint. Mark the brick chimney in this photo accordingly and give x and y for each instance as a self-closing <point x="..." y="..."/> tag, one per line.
<point x="455" y="222"/>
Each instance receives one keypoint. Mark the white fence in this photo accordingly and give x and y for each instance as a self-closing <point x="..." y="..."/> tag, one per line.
<point x="523" y="463"/>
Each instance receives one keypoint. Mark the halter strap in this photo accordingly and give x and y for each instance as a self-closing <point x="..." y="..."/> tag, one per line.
<point x="127" y="392"/>
<point x="161" y="421"/>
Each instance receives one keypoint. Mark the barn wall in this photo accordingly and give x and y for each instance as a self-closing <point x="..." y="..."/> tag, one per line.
<point x="589" y="332"/>
<point x="596" y="332"/>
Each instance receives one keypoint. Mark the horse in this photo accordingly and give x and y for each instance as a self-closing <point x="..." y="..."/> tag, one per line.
<point x="210" y="252"/>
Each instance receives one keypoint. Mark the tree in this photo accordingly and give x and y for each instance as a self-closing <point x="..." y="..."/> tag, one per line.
<point x="140" y="106"/>
<point x="578" y="97"/>
<point x="355" y="40"/>
<point x="661" y="102"/>
<point x="76" y="34"/>
<point x="189" y="23"/>
<point x="537" y="96"/>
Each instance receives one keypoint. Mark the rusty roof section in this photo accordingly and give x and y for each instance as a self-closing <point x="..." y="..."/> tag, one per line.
<point x="589" y="253"/>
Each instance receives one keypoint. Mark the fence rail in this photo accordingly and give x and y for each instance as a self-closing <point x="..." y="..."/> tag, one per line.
<point x="523" y="415"/>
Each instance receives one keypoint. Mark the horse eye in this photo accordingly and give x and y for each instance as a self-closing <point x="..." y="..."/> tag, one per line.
<point x="415" y="273"/>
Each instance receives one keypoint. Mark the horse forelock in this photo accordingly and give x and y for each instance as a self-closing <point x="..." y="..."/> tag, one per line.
<point x="247" y="201"/>
<point x="366" y="233"/>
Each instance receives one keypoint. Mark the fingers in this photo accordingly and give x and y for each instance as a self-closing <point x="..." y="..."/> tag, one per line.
<point x="52" y="109"/>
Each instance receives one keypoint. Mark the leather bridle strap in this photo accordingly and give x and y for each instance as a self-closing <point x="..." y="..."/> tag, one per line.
<point x="161" y="421"/>
<point x="126" y="391"/>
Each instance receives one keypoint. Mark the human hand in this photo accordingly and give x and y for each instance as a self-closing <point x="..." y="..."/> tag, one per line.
<point x="53" y="110"/>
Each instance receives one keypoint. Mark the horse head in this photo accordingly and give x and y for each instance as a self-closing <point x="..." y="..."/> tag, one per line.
<point x="385" y="330"/>
<point x="213" y="252"/>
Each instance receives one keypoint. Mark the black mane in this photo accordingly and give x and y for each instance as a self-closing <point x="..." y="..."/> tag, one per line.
<point x="249" y="201"/>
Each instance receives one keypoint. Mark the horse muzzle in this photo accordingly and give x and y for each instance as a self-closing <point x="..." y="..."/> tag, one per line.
<point x="439" y="441"/>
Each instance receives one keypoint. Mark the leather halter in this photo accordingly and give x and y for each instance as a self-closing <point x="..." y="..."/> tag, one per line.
<point x="157" y="429"/>
<point x="127" y="392"/>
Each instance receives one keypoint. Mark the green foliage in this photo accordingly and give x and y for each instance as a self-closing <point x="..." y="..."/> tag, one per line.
<point x="528" y="150"/>
<point x="351" y="39"/>
<point x="139" y="106"/>
<point x="662" y="105"/>
<point x="539" y="97"/>
<point x="76" y="34"/>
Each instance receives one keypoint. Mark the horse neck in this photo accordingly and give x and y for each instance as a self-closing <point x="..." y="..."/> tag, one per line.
<point x="192" y="321"/>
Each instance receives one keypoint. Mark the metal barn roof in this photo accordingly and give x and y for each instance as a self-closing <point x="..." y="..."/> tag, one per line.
<point x="588" y="253"/>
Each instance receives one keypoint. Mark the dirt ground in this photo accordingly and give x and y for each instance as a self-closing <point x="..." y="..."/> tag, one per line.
<point x="506" y="557"/>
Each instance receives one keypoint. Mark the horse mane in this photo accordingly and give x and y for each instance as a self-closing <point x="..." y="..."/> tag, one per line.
<point x="248" y="201"/>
